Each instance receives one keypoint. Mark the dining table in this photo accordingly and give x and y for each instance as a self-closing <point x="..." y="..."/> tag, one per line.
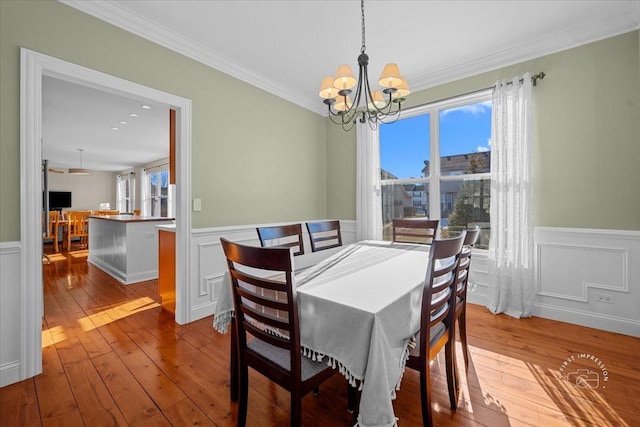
<point x="359" y="306"/>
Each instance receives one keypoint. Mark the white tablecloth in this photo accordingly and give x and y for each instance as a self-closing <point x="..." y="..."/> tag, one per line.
<point x="358" y="308"/>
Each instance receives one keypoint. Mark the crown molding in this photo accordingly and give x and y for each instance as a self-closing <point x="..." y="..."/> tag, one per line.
<point x="113" y="14"/>
<point x="552" y="43"/>
<point x="573" y="37"/>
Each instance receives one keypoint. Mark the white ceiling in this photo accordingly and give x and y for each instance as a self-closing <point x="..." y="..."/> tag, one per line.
<point x="286" y="47"/>
<point x="78" y="117"/>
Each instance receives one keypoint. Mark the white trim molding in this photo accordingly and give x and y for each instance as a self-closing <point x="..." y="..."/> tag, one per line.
<point x="589" y="277"/>
<point x="34" y="66"/>
<point x="114" y="14"/>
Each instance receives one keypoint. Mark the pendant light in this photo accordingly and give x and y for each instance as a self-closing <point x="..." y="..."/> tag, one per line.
<point x="80" y="170"/>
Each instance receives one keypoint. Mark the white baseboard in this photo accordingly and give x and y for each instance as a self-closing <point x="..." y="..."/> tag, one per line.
<point x="11" y="341"/>
<point x="10" y="373"/>
<point x="609" y="323"/>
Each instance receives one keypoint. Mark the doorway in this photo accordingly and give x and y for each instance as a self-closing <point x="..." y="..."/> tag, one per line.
<point x="34" y="66"/>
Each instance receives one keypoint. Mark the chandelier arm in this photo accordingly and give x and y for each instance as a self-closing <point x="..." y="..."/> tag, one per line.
<point x="380" y="110"/>
<point x="350" y="114"/>
<point x="395" y="115"/>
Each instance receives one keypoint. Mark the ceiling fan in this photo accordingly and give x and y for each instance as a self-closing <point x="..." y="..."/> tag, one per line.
<point x="54" y="170"/>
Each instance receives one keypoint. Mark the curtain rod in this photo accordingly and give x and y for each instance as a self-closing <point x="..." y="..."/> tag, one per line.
<point x="155" y="167"/>
<point x="534" y="80"/>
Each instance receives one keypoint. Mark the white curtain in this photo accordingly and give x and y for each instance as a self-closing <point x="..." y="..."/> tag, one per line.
<point x="511" y="270"/>
<point x="368" y="205"/>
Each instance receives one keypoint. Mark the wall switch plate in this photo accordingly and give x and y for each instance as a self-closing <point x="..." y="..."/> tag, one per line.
<point x="197" y="205"/>
<point x="604" y="298"/>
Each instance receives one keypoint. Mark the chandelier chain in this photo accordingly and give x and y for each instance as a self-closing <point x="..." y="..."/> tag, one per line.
<point x="364" y="47"/>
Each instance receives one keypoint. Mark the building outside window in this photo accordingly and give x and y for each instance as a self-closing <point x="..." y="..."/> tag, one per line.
<point x="436" y="163"/>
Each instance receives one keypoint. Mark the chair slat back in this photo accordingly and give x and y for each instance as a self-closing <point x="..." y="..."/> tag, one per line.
<point x="52" y="227"/>
<point x="264" y="295"/>
<point x="465" y="263"/>
<point x="324" y="235"/>
<point x="438" y="298"/>
<point x="414" y="230"/>
<point x="283" y="236"/>
<point x="77" y="223"/>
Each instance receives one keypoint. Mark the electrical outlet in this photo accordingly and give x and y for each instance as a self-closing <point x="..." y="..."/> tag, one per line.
<point x="604" y="298"/>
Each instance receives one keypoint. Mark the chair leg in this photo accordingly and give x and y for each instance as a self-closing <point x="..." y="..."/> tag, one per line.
<point x="296" y="408"/>
<point x="425" y="395"/>
<point x="462" y="326"/>
<point x="353" y="402"/>
<point x="452" y="381"/>
<point x="234" y="374"/>
<point x="244" y="396"/>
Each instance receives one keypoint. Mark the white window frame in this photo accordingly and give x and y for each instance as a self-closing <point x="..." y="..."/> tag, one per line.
<point x="148" y="198"/>
<point x="435" y="178"/>
<point x="122" y="199"/>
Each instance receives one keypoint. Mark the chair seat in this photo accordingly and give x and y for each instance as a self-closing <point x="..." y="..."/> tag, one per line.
<point x="437" y="332"/>
<point x="282" y="358"/>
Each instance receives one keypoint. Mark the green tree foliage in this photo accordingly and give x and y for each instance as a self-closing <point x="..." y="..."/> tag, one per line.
<point x="471" y="200"/>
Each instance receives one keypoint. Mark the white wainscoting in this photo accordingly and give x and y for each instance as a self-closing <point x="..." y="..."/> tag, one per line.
<point x="10" y="328"/>
<point x="208" y="264"/>
<point x="577" y="269"/>
<point x="573" y="268"/>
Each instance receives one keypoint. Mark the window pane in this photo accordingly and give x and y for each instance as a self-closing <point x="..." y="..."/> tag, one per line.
<point x="403" y="201"/>
<point x="404" y="148"/>
<point x="164" y="178"/>
<point x="467" y="204"/>
<point x="465" y="139"/>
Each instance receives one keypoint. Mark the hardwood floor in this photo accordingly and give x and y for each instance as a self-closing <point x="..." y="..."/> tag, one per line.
<point x="112" y="356"/>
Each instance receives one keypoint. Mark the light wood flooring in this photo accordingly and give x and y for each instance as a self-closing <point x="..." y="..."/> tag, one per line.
<point x="112" y="356"/>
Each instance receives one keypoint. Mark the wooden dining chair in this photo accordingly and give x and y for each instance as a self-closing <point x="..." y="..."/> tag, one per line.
<point x="77" y="226"/>
<point x="282" y="236"/>
<point x="437" y="321"/>
<point x="51" y="229"/>
<point x="414" y="230"/>
<point x="324" y="235"/>
<point x="266" y="308"/>
<point x="461" y="289"/>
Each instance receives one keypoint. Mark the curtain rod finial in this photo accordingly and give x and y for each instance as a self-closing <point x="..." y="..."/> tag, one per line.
<point x="535" y="77"/>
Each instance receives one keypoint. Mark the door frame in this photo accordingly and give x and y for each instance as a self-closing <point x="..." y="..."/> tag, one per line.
<point x="33" y="66"/>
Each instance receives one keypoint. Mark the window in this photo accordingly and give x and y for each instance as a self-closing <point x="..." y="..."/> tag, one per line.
<point x="158" y="201"/>
<point x="125" y="192"/>
<point x="435" y="162"/>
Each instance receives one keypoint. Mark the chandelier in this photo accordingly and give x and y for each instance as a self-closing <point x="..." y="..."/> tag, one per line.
<point x="380" y="106"/>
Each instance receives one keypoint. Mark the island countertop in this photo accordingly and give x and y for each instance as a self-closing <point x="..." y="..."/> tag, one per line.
<point x="131" y="218"/>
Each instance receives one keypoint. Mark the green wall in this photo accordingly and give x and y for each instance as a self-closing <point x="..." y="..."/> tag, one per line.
<point x="251" y="166"/>
<point x="587" y="136"/>
<point x="256" y="158"/>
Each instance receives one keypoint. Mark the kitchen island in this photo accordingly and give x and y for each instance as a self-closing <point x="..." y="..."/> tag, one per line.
<point x="125" y="246"/>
